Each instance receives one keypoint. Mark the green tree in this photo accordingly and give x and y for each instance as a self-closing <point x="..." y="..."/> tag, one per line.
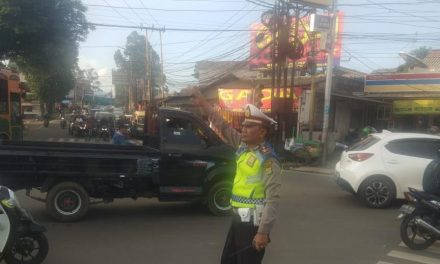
<point x="42" y="38"/>
<point x="88" y="82"/>
<point x="132" y="61"/>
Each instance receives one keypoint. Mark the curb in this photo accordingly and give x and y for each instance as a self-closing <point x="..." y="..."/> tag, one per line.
<point x="321" y="171"/>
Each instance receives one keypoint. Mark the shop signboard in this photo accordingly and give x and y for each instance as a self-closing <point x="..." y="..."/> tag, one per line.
<point x="402" y="82"/>
<point x="402" y="107"/>
<point x="236" y="99"/>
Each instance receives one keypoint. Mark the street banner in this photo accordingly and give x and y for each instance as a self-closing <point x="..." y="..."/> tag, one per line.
<point x="260" y="57"/>
<point x="236" y="99"/>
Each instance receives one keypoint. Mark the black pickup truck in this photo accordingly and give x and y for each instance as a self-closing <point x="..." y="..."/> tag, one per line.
<point x="184" y="161"/>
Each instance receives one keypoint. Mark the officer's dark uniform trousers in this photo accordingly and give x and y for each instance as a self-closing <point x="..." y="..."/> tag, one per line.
<point x="238" y="247"/>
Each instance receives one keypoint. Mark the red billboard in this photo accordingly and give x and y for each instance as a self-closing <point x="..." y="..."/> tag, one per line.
<point x="260" y="57"/>
<point x="236" y="99"/>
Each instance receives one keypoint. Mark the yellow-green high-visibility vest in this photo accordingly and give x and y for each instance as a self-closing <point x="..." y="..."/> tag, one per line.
<point x="248" y="189"/>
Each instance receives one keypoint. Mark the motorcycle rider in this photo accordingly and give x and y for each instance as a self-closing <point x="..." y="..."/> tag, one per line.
<point x="367" y="131"/>
<point x="91" y="124"/>
<point x="120" y="136"/>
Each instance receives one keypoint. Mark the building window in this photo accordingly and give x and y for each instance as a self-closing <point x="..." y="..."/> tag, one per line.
<point x="383" y="112"/>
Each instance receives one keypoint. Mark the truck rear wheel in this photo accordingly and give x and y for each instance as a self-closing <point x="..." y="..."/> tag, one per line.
<point x="67" y="202"/>
<point x="219" y="198"/>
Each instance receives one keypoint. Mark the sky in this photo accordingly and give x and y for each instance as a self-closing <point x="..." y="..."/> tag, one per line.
<point x="374" y="32"/>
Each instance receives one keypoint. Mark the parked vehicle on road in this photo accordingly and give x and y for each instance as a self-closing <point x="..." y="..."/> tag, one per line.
<point x="22" y="240"/>
<point x="183" y="160"/>
<point x="420" y="227"/>
<point x="383" y="166"/>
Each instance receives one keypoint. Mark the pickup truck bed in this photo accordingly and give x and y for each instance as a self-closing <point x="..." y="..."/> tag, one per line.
<point x="26" y="165"/>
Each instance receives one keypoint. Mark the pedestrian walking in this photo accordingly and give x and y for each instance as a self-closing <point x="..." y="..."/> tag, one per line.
<point x="256" y="188"/>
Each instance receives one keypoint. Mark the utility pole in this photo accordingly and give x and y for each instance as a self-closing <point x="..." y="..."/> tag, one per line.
<point x="147" y="69"/>
<point x="329" y="81"/>
<point x="312" y="88"/>
<point x="130" y="88"/>
<point x="162" y="79"/>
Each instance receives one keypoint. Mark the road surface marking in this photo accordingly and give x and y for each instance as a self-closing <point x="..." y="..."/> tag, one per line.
<point x="383" y="262"/>
<point x="413" y="257"/>
<point x="435" y="248"/>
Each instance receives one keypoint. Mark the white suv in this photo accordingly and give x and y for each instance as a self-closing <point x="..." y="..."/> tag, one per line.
<point x="380" y="168"/>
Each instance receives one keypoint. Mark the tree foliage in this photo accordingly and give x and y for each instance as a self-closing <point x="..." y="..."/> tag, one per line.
<point x="42" y="37"/>
<point x="88" y="78"/>
<point x="133" y="63"/>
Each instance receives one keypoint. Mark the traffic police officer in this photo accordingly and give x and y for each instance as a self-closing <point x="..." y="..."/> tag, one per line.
<point x="256" y="188"/>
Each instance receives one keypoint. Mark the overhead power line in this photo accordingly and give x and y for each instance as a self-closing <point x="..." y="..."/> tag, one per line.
<point x="170" y="29"/>
<point x="402" y="12"/>
<point x="213" y="35"/>
<point x="119" y="13"/>
<point x="148" y="11"/>
<point x="260" y="3"/>
<point x="132" y="10"/>
<point x="176" y="10"/>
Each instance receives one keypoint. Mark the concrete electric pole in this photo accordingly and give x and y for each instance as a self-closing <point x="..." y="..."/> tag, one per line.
<point x="329" y="81"/>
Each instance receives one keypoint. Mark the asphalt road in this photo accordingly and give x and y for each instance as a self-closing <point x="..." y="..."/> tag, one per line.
<point x="318" y="223"/>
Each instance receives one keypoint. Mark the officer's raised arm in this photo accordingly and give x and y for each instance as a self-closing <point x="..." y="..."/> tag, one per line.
<point x="231" y="135"/>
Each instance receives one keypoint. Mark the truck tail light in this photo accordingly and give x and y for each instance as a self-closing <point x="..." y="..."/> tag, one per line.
<point x="360" y="156"/>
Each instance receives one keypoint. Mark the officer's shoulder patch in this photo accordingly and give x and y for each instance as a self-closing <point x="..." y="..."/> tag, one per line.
<point x="251" y="161"/>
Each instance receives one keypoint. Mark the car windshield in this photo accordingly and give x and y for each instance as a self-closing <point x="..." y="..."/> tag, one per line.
<point x="364" y="144"/>
<point x="121" y="130"/>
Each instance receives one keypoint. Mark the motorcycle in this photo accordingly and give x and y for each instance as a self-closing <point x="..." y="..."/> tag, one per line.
<point x="303" y="152"/>
<point x="22" y="240"/>
<point x="420" y="227"/>
<point x="80" y="129"/>
<point x="104" y="133"/>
